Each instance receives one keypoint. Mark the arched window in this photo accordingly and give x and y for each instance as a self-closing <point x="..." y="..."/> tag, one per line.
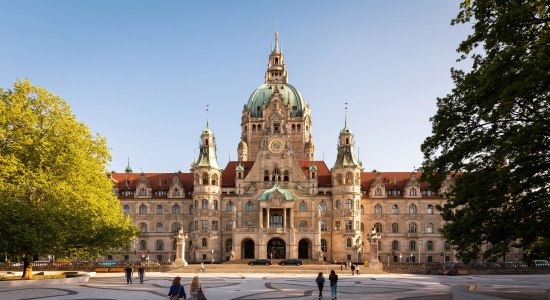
<point x="142" y="192"/>
<point x="378" y="228"/>
<point x="362" y="209"/>
<point x="349" y="178"/>
<point x="429" y="246"/>
<point x="324" y="245"/>
<point x="276" y="174"/>
<point x="160" y="245"/>
<point x="160" y="209"/>
<point x="214" y="179"/>
<point x="228" y="245"/>
<point x="215" y="204"/>
<point x="349" y="204"/>
<point x="293" y="127"/>
<point x="429" y="228"/>
<point x="323" y="225"/>
<point x="229" y="225"/>
<point x="142" y="209"/>
<point x="412" y="245"/>
<point x="412" y="192"/>
<point x="349" y="243"/>
<point x="176" y="227"/>
<point x="143" y="245"/>
<point x="395" y="209"/>
<point x="303" y="206"/>
<point x="249" y="224"/>
<point x="395" y="246"/>
<point x="174" y="244"/>
<point x="412" y="209"/>
<point x="395" y="228"/>
<point x="126" y="209"/>
<point x="176" y="209"/>
<point x="143" y="227"/>
<point x="412" y="228"/>
<point x="266" y="175"/>
<point x="286" y="176"/>
<point x="205" y="178"/>
<point x="254" y="128"/>
<point x="229" y="206"/>
<point x="204" y="243"/>
<point x="204" y="204"/>
<point x="378" y="192"/>
<point x="160" y="227"/>
<point x="337" y="206"/>
<point x="378" y="209"/>
<point x="302" y="224"/>
<point x="430" y="209"/>
<point x="339" y="179"/>
<point x="322" y="206"/>
<point x="249" y="206"/>
<point x="191" y="209"/>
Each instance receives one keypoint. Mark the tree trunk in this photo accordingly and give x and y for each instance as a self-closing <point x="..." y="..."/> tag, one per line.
<point x="27" y="268"/>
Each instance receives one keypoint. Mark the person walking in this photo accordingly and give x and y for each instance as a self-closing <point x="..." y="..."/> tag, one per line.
<point x="357" y="269"/>
<point x="352" y="269"/>
<point x="141" y="273"/>
<point x="342" y="266"/>
<point x="177" y="291"/>
<point x="195" y="290"/>
<point x="320" y="283"/>
<point x="333" y="278"/>
<point x="129" y="272"/>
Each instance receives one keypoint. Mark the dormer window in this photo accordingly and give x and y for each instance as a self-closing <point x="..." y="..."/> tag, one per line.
<point x="142" y="192"/>
<point x="378" y="192"/>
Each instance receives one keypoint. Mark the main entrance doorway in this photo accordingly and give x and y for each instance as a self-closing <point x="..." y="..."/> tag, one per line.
<point x="276" y="249"/>
<point x="303" y="249"/>
<point x="248" y="247"/>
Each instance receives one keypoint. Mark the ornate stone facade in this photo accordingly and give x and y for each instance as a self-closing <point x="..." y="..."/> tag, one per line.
<point x="277" y="201"/>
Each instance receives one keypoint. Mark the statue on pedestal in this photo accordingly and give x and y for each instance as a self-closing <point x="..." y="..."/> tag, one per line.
<point x="180" y="252"/>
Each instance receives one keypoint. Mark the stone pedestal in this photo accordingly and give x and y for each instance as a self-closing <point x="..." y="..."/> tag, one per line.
<point x="180" y="252"/>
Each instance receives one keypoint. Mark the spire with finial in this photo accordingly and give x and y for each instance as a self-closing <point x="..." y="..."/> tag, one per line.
<point x="346" y="115"/>
<point x="207" y="106"/>
<point x="128" y="168"/>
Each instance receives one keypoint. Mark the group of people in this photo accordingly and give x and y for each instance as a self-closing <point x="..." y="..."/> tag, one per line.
<point x="354" y="267"/>
<point x="333" y="279"/>
<point x="177" y="291"/>
<point x="130" y="272"/>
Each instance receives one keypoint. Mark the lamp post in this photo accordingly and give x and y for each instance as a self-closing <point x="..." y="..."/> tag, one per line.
<point x="373" y="238"/>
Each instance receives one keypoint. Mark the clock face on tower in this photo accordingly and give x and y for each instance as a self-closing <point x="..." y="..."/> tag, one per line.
<point x="276" y="146"/>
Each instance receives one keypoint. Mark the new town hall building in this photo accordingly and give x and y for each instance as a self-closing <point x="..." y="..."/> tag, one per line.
<point x="276" y="201"/>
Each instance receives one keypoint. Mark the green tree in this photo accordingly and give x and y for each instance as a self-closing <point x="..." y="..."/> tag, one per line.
<point x="55" y="197"/>
<point x="495" y="128"/>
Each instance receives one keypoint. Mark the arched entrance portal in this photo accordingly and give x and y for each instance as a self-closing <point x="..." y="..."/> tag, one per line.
<point x="248" y="246"/>
<point x="303" y="249"/>
<point x="276" y="249"/>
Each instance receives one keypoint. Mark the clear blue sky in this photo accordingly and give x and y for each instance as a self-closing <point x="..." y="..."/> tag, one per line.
<point x="140" y="73"/>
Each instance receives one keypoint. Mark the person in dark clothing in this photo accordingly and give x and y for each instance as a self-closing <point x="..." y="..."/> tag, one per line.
<point x="177" y="291"/>
<point x="129" y="272"/>
<point x="320" y="283"/>
<point x="333" y="278"/>
<point x="352" y="269"/>
<point x="141" y="273"/>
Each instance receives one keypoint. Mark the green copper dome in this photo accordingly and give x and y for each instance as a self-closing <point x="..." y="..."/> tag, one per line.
<point x="289" y="93"/>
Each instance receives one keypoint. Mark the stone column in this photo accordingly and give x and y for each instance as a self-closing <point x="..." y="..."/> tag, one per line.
<point x="261" y="217"/>
<point x="267" y="217"/>
<point x="284" y="219"/>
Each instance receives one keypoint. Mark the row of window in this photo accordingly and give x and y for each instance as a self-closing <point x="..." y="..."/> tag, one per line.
<point x="249" y="206"/>
<point x="276" y="174"/>
<point x="411" y="228"/>
<point x="143" y="193"/>
<point x="207" y="179"/>
<point x="395" y="192"/>
<point x="348" y="179"/>
<point x="412" y="209"/>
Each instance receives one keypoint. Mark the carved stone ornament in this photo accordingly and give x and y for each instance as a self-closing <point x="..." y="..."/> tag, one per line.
<point x="384" y="217"/>
<point x="276" y="198"/>
<point x="413" y="217"/>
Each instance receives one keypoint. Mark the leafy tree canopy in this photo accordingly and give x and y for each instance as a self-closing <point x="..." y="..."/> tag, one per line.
<point x="55" y="197"/>
<point x="495" y="127"/>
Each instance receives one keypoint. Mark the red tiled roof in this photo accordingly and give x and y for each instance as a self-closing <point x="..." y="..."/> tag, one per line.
<point x="229" y="173"/>
<point x="323" y="172"/>
<point x="158" y="181"/>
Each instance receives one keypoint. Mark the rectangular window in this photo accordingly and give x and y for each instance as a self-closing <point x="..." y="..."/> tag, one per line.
<point x="214" y="225"/>
<point x="348" y="225"/>
<point x="337" y="225"/>
<point x="204" y="224"/>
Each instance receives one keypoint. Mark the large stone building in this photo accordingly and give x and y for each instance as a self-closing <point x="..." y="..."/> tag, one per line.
<point x="277" y="201"/>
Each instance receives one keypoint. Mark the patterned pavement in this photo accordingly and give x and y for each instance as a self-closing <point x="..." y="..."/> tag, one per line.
<point x="263" y="286"/>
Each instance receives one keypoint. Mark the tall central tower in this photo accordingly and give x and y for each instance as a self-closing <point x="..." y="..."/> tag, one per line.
<point x="278" y="110"/>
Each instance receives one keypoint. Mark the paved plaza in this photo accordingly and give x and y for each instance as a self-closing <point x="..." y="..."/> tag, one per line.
<point x="249" y="286"/>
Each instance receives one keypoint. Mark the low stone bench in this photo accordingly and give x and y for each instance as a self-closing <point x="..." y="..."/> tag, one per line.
<point x="118" y="269"/>
<point x="102" y="270"/>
